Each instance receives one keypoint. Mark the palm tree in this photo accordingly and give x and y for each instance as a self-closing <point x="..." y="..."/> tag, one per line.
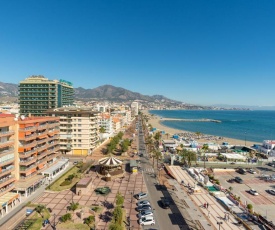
<point x="204" y="148"/>
<point x="89" y="220"/>
<point x="158" y="156"/>
<point x="198" y="134"/>
<point x="39" y="209"/>
<point x="188" y="156"/>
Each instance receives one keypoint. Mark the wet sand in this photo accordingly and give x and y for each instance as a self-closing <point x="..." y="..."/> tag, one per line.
<point x="155" y="121"/>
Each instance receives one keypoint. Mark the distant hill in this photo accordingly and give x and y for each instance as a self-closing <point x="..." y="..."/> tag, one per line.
<point x="249" y="107"/>
<point x="112" y="93"/>
<point x="105" y="92"/>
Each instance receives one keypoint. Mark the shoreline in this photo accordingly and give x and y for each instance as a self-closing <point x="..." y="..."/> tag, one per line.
<point x="155" y="121"/>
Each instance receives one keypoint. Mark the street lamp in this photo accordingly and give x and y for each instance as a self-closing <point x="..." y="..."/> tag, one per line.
<point x="131" y="196"/>
<point x="219" y="223"/>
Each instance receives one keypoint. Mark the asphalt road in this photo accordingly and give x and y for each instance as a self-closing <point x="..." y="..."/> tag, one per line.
<point x="164" y="218"/>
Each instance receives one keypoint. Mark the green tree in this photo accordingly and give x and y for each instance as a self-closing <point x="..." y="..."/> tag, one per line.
<point x="73" y="206"/>
<point x="119" y="199"/>
<point x="102" y="129"/>
<point x="66" y="217"/>
<point x="89" y="220"/>
<point x="39" y="209"/>
<point x="117" y="215"/>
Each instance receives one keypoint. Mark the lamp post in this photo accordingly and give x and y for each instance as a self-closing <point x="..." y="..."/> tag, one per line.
<point x="219" y="223"/>
<point x="131" y="196"/>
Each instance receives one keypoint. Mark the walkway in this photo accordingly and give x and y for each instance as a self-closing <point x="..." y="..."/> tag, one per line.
<point x="215" y="212"/>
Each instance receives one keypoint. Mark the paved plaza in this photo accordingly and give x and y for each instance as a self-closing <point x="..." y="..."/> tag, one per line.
<point x="131" y="184"/>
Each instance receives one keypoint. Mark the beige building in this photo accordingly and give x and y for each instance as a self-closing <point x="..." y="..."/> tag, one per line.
<point x="78" y="130"/>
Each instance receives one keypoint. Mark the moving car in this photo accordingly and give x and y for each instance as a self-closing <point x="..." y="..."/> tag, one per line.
<point x="253" y="192"/>
<point x="165" y="203"/>
<point x="143" y="202"/>
<point x="239" y="180"/>
<point x="143" y="208"/>
<point x="148" y="220"/>
<point x="271" y="191"/>
<point x="145" y="213"/>
<point x="251" y="171"/>
<point x="141" y="195"/>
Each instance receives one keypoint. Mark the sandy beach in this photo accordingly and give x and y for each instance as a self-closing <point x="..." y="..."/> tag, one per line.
<point x="155" y="122"/>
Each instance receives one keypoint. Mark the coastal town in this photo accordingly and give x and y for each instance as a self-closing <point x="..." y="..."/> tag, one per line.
<point x="69" y="164"/>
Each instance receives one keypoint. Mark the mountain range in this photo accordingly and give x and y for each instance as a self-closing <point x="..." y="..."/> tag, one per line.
<point x="105" y="92"/>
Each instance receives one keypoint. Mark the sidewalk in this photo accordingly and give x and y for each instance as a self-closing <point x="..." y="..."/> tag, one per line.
<point x="215" y="213"/>
<point x="15" y="216"/>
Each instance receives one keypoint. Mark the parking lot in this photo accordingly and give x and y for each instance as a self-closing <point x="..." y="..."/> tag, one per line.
<point x="264" y="203"/>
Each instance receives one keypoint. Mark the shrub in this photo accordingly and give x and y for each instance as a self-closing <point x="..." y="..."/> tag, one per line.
<point x="115" y="226"/>
<point x="89" y="220"/>
<point x="249" y="207"/>
<point x="117" y="214"/>
<point x="66" y="217"/>
<point x="66" y="182"/>
<point x="119" y="199"/>
<point x="73" y="206"/>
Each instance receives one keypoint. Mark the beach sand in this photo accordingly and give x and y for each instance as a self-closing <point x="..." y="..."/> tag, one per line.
<point x="155" y="122"/>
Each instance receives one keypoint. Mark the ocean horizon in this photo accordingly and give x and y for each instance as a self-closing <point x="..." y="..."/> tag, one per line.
<point x="254" y="126"/>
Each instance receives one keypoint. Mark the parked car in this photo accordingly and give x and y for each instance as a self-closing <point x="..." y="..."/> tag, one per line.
<point x="145" y="213"/>
<point x="143" y="202"/>
<point x="148" y="220"/>
<point x="165" y="203"/>
<point x="253" y="192"/>
<point x="241" y="171"/>
<point x="143" y="208"/>
<point x="272" y="164"/>
<point x="141" y="195"/>
<point x="251" y="171"/>
<point x="271" y="191"/>
<point x="239" y="180"/>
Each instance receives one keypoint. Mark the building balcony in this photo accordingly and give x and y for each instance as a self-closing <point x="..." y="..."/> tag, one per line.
<point x="6" y="151"/>
<point x="27" y="153"/>
<point x="6" y="133"/>
<point x="43" y="154"/>
<point x="29" y="145"/>
<point x="6" y="162"/>
<point x="52" y="156"/>
<point x="41" y="127"/>
<point x="6" y="144"/>
<point x="27" y="161"/>
<point x="26" y="178"/>
<point x="42" y="141"/>
<point x="39" y="149"/>
<point x="31" y="128"/>
<point x="7" y="180"/>
<point x="42" y="134"/>
<point x="24" y="169"/>
<point x="28" y="138"/>
<point x="6" y="189"/>
<point x="6" y="171"/>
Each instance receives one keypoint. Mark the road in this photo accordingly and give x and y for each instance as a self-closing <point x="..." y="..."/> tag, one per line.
<point x="165" y="218"/>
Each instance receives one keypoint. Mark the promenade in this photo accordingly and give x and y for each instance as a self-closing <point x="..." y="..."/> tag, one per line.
<point x="194" y="204"/>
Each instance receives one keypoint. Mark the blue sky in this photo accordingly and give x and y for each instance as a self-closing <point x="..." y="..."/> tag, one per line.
<point x="202" y="52"/>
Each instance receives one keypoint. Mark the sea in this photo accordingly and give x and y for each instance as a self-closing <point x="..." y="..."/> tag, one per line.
<point x="254" y="126"/>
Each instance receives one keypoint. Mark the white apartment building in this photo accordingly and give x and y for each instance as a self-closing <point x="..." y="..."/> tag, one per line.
<point x="268" y="147"/>
<point x="105" y="121"/>
<point x="134" y="108"/>
<point x="78" y="130"/>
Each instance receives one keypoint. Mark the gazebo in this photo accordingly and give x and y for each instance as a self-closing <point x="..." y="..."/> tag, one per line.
<point x="110" y="165"/>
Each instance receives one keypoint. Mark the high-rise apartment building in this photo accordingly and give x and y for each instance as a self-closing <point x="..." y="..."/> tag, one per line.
<point x="7" y="153"/>
<point x="38" y="94"/>
<point x="78" y="130"/>
<point x="134" y="107"/>
<point x="38" y="148"/>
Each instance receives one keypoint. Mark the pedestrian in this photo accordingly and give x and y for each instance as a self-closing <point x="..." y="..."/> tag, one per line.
<point x="204" y="205"/>
<point x="207" y="204"/>
<point x="225" y="217"/>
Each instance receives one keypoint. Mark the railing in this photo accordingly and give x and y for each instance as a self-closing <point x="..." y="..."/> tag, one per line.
<point x="42" y="154"/>
<point x="28" y="128"/>
<point x="7" y="161"/>
<point x="33" y="143"/>
<point x="5" y="133"/>
<point x="7" y="188"/>
<point x="42" y="127"/>
<point x="6" y="179"/>
<point x="42" y="141"/>
<point x="28" y="161"/>
<point x="28" y="137"/>
<point x="27" y="168"/>
<point x="28" y="152"/>
<point x="6" y="143"/>
<point x="7" y="151"/>
<point x="6" y="170"/>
